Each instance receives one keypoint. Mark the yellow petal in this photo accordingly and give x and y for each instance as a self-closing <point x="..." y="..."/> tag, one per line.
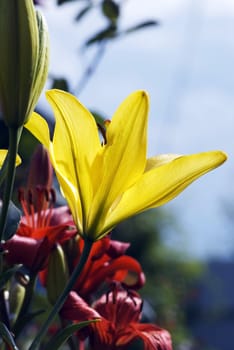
<point x="161" y="184"/>
<point x="39" y="128"/>
<point x="124" y="155"/>
<point x="76" y="144"/>
<point x="162" y="159"/>
<point x="3" y="153"/>
<point x="70" y="192"/>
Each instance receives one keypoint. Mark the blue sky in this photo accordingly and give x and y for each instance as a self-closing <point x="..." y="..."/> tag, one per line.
<point x="186" y="65"/>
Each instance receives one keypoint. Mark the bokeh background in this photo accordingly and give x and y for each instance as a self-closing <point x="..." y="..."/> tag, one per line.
<point x="183" y="55"/>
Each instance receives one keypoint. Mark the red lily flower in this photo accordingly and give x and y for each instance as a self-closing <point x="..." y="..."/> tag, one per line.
<point x="107" y="262"/>
<point x="119" y="312"/>
<point x="42" y="225"/>
<point x="36" y="236"/>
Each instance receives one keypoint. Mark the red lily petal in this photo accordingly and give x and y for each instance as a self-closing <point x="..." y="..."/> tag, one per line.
<point x="61" y="215"/>
<point x="106" y="263"/>
<point x="117" y="248"/>
<point x="76" y="309"/>
<point x="40" y="160"/>
<point x="120" y="307"/>
<point x="21" y="250"/>
<point x="153" y="337"/>
<point x="119" y="270"/>
<point x="119" y="327"/>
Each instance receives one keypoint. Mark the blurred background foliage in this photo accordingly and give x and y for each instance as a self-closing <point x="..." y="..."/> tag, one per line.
<point x="169" y="275"/>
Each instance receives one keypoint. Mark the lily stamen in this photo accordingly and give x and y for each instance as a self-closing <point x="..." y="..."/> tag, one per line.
<point x="38" y="207"/>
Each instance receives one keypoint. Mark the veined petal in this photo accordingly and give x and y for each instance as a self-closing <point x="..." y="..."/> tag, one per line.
<point x="159" y="160"/>
<point x="153" y="337"/>
<point x="161" y="184"/>
<point x="78" y="120"/>
<point x="70" y="192"/>
<point x="3" y="153"/>
<point x="76" y="143"/>
<point x="39" y="128"/>
<point x="124" y="155"/>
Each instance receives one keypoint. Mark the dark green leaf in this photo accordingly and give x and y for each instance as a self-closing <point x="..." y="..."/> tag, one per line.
<point x="83" y="12"/>
<point x="12" y="222"/>
<point x="108" y="33"/>
<point x="60" y="83"/>
<point x="64" y="334"/>
<point x="141" y="25"/>
<point x="99" y="117"/>
<point x="6" y="275"/>
<point x="7" y="337"/>
<point x="60" y="2"/>
<point x="110" y="9"/>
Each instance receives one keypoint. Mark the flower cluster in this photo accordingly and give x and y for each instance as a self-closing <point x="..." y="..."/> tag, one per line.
<point x="46" y="241"/>
<point x="104" y="177"/>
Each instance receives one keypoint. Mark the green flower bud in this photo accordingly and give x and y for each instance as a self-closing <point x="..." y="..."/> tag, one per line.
<point x="23" y="59"/>
<point x="17" y="293"/>
<point x="58" y="275"/>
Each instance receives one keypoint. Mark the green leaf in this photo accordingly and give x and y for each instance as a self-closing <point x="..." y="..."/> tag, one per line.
<point x="64" y="334"/>
<point x="60" y="83"/>
<point x="12" y="222"/>
<point x="7" y="337"/>
<point x="6" y="275"/>
<point x="108" y="33"/>
<point x="142" y="25"/>
<point x="99" y="118"/>
<point x="83" y="12"/>
<point x="60" y="2"/>
<point x="110" y="9"/>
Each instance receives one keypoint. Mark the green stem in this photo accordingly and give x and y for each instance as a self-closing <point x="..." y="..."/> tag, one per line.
<point x="29" y="290"/>
<point x="60" y="301"/>
<point x="4" y="315"/>
<point x="14" y="137"/>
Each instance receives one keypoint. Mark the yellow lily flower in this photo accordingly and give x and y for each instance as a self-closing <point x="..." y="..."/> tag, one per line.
<point x="3" y="153"/>
<point x="105" y="184"/>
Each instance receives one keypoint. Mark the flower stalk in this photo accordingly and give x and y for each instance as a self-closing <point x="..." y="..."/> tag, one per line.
<point x="14" y="138"/>
<point x="60" y="301"/>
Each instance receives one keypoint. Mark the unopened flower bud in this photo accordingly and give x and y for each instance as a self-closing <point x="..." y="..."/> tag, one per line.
<point x="57" y="276"/>
<point x="23" y="59"/>
<point x="41" y="170"/>
<point x="16" y="298"/>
